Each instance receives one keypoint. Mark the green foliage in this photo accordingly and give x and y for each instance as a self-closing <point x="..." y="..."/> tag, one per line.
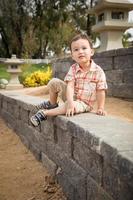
<point x="14" y="24"/>
<point x="33" y="27"/>
<point x="3" y="72"/>
<point x="125" y="40"/>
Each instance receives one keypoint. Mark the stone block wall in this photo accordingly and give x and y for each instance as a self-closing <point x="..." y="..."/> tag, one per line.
<point x="90" y="156"/>
<point x="118" y="67"/>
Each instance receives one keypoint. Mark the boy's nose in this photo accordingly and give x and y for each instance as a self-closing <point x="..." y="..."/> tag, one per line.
<point x="80" y="50"/>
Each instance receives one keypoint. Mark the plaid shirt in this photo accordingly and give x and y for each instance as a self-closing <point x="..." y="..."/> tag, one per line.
<point x="86" y="83"/>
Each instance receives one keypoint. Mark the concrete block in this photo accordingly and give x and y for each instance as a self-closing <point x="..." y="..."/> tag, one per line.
<point x="123" y="62"/>
<point x="54" y="152"/>
<point x="109" y="91"/>
<point x="32" y="135"/>
<point x="123" y="90"/>
<point x="10" y="120"/>
<point x="74" y="173"/>
<point x="110" y="155"/>
<point x="125" y="164"/>
<point x="24" y="141"/>
<point x="74" y="186"/>
<point x="113" y="148"/>
<point x="62" y="122"/>
<point x="47" y="129"/>
<point x="124" y="51"/>
<point x="61" y="67"/>
<point x="16" y="112"/>
<point x="24" y="115"/>
<point x="64" y="140"/>
<point x="68" y="188"/>
<point x="114" y="76"/>
<point x="104" y="62"/>
<point x="28" y="132"/>
<point x="128" y="76"/>
<point x="95" y="192"/>
<point x="89" y="160"/>
<point x="4" y="105"/>
<point x="126" y="191"/>
<point x="10" y="108"/>
<point x="35" y="150"/>
<point x="49" y="165"/>
<point x="117" y="178"/>
<point x="107" y="54"/>
<point x="84" y="135"/>
<point x="111" y="180"/>
<point x="68" y="165"/>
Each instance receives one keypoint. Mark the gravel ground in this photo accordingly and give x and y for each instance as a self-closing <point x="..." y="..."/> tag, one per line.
<point x="22" y="177"/>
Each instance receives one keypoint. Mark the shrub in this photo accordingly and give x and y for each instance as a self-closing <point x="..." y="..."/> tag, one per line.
<point x="28" y="69"/>
<point x="38" y="78"/>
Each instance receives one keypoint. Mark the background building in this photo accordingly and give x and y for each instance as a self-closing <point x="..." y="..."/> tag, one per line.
<point x="111" y="22"/>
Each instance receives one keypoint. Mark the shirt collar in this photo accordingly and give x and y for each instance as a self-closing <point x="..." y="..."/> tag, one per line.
<point x="92" y="67"/>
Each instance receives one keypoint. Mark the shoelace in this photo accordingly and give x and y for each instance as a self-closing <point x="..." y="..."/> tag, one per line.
<point x="40" y="116"/>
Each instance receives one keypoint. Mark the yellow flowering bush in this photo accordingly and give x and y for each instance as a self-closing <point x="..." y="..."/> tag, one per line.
<point x="38" y="78"/>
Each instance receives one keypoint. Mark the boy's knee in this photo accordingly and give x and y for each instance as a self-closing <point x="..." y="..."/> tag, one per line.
<point x="57" y="86"/>
<point x="54" y="84"/>
<point x="53" y="81"/>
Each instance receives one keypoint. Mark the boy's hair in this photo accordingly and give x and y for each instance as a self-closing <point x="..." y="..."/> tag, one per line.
<point x="81" y="36"/>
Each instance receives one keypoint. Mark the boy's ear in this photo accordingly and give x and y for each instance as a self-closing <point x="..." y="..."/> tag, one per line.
<point x="72" y="56"/>
<point x="92" y="52"/>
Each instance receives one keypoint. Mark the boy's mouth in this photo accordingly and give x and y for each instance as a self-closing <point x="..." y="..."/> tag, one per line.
<point x="81" y="56"/>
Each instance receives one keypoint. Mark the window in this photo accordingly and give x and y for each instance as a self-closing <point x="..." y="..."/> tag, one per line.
<point x="117" y="15"/>
<point x="101" y="17"/>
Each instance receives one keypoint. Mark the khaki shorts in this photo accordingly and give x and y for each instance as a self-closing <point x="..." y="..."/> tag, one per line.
<point x="58" y="86"/>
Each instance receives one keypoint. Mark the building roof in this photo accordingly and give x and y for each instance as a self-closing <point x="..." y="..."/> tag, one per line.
<point x="117" y="1"/>
<point x="101" y="4"/>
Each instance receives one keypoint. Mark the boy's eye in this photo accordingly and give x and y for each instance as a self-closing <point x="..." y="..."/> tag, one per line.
<point x="84" y="48"/>
<point x="75" y="49"/>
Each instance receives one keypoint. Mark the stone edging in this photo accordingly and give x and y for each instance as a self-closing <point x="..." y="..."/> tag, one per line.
<point x="90" y="156"/>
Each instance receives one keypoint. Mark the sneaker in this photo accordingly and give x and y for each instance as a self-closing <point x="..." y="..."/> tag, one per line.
<point x="46" y="105"/>
<point x="37" y="118"/>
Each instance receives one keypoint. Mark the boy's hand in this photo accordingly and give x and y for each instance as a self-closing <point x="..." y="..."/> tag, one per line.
<point x="70" y="109"/>
<point x="101" y="111"/>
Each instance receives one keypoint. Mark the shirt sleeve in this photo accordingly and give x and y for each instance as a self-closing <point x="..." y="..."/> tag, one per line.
<point x="101" y="84"/>
<point x="70" y="75"/>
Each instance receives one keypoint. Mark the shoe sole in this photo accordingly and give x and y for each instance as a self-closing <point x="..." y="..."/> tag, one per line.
<point x="34" y="122"/>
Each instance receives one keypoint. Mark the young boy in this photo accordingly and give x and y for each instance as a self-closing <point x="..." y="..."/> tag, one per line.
<point x="84" y="84"/>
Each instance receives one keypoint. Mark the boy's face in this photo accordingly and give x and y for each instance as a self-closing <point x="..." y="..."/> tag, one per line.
<point x="81" y="51"/>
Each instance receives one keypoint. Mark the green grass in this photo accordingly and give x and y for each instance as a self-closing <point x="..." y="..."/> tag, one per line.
<point x="3" y="73"/>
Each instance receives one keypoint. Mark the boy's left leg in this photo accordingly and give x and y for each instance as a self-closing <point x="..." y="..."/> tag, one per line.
<point x="37" y="118"/>
<point x="56" y="88"/>
<point x="41" y="115"/>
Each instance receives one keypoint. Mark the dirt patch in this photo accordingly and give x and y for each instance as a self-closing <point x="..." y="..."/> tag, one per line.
<point x="120" y="108"/>
<point x="24" y="178"/>
<point x="21" y="176"/>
